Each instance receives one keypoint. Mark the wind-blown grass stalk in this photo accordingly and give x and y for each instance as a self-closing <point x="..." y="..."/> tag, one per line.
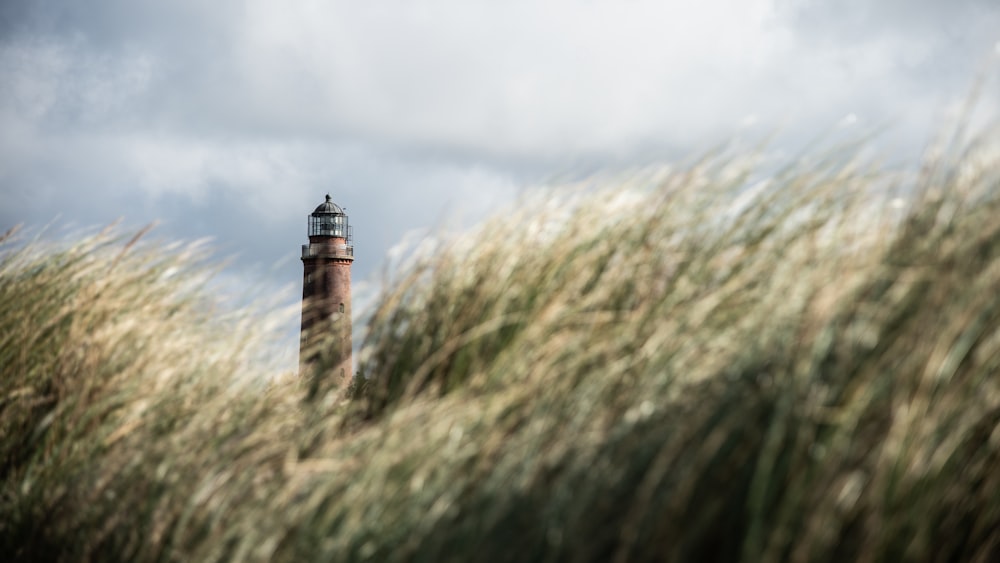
<point x="710" y="363"/>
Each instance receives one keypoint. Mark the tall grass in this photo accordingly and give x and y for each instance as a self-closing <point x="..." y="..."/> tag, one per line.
<point x="718" y="362"/>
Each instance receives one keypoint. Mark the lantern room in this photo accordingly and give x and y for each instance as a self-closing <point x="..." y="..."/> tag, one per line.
<point x="329" y="220"/>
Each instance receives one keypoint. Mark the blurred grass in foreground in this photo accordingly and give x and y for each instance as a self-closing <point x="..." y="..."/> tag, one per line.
<point x="710" y="363"/>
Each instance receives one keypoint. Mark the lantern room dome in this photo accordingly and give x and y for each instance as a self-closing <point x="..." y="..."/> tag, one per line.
<point x="328" y="207"/>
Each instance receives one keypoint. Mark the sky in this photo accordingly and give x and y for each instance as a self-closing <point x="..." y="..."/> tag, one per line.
<point x="232" y="119"/>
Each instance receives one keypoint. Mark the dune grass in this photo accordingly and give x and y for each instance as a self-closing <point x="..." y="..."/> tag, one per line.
<point x="723" y="361"/>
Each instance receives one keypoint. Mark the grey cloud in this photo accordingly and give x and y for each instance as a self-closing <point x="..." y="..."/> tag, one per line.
<point x="929" y="43"/>
<point x="860" y="20"/>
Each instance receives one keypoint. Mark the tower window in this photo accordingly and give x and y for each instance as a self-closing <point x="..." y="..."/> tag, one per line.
<point x="341" y="307"/>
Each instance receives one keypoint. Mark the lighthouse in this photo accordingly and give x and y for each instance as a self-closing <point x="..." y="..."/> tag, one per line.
<point x="325" y="339"/>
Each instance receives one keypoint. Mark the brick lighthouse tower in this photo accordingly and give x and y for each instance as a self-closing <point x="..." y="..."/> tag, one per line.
<point x="325" y="340"/>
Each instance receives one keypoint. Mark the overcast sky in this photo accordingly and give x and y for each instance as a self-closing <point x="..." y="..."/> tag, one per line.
<point x="231" y="119"/>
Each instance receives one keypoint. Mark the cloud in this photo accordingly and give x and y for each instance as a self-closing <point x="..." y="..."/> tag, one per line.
<point x="519" y="84"/>
<point x="523" y="80"/>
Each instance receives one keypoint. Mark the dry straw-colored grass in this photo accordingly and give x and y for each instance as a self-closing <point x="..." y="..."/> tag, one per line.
<point x="709" y="363"/>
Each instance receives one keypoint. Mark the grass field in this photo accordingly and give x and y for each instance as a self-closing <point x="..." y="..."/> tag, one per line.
<point x="719" y="361"/>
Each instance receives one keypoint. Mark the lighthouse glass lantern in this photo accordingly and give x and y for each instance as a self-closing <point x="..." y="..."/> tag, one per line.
<point x="329" y="220"/>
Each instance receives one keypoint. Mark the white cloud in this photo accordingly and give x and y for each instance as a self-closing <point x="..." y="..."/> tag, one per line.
<point x="518" y="78"/>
